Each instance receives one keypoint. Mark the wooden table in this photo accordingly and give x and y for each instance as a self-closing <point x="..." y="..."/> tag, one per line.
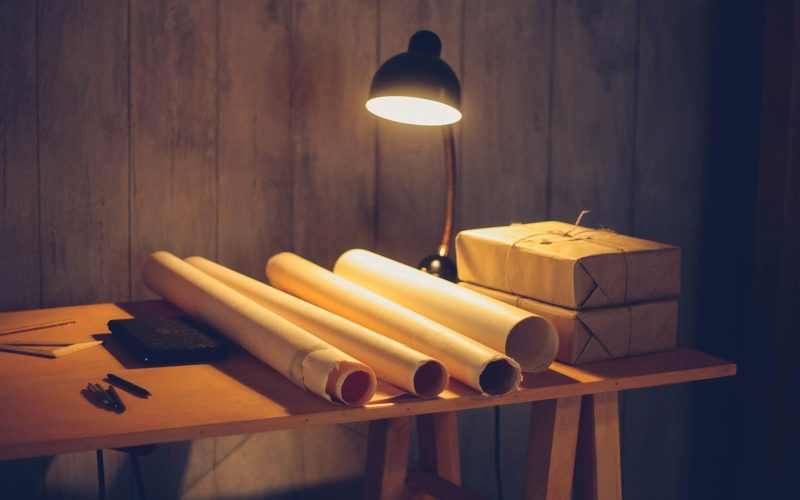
<point x="574" y="410"/>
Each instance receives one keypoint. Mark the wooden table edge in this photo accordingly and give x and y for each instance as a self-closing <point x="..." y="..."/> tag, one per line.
<point x="341" y="415"/>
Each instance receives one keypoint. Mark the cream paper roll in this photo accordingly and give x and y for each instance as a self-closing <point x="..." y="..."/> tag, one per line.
<point x="475" y="364"/>
<point x="300" y="356"/>
<point x="526" y="337"/>
<point x="392" y="361"/>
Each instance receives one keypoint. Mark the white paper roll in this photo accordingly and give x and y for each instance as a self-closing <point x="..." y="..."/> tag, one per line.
<point x="475" y="364"/>
<point x="392" y="361"/>
<point x="303" y="358"/>
<point x="529" y="339"/>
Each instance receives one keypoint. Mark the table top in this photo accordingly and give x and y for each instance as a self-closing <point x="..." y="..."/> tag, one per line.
<point x="44" y="411"/>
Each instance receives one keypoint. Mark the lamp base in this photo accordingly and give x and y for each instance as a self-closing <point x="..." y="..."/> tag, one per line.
<point x="439" y="265"/>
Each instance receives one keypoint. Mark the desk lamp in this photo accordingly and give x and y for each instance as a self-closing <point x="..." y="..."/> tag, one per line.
<point x="418" y="88"/>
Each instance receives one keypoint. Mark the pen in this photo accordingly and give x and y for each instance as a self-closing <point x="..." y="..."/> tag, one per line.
<point x="119" y="406"/>
<point x="128" y="386"/>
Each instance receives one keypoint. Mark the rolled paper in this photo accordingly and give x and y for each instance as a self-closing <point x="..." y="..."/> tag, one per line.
<point x="475" y="364"/>
<point x="309" y="362"/>
<point x="526" y="337"/>
<point x="392" y="361"/>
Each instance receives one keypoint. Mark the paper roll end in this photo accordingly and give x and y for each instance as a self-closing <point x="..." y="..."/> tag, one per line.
<point x="430" y="379"/>
<point x="500" y="377"/>
<point x="533" y="343"/>
<point x="352" y="384"/>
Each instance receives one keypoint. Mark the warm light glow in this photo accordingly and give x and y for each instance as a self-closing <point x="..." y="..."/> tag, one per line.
<point x="413" y="110"/>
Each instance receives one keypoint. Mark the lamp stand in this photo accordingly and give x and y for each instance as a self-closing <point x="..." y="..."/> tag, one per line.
<point x="440" y="264"/>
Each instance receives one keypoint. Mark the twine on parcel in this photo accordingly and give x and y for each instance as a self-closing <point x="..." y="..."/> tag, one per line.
<point x="568" y="237"/>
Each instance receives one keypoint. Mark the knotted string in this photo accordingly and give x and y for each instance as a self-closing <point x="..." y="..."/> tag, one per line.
<point x="570" y="237"/>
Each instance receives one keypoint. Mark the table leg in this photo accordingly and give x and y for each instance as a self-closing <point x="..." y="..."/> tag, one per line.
<point x="387" y="458"/>
<point x="598" y="474"/>
<point x="552" y="438"/>
<point x="439" y="471"/>
<point x="437" y="435"/>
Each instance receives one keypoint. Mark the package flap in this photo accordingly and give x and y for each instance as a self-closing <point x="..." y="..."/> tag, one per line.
<point x="602" y="333"/>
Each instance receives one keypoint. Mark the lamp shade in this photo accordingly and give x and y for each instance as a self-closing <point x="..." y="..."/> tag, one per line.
<point x="417" y="86"/>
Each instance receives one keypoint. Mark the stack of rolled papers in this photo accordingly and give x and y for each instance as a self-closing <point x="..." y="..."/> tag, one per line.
<point x="332" y="333"/>
<point x="309" y="362"/>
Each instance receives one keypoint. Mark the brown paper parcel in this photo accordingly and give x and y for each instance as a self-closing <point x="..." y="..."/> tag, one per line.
<point x="603" y="333"/>
<point x="568" y="265"/>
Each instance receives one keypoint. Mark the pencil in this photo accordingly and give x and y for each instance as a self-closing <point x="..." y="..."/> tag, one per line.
<point x="39" y="326"/>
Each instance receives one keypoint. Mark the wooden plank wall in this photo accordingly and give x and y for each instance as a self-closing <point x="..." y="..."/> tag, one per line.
<point x="236" y="130"/>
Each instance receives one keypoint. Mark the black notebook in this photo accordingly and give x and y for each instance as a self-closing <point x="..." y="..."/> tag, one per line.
<point x="167" y="341"/>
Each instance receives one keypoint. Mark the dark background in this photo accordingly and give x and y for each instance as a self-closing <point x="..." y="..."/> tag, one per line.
<point x="236" y="129"/>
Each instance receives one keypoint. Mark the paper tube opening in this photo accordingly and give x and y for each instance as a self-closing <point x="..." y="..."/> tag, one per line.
<point x="499" y="377"/>
<point x="351" y="384"/>
<point x="430" y="379"/>
<point x="533" y="343"/>
<point x="356" y="388"/>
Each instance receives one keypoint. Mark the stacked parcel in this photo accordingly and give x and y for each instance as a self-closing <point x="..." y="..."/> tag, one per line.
<point x="609" y="295"/>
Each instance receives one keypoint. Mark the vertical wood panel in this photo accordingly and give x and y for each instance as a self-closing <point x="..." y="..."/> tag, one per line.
<point x="334" y="54"/>
<point x="411" y="176"/>
<point x="19" y="176"/>
<point x="255" y="169"/>
<point x="505" y="130"/>
<point x="284" y="150"/>
<point x="671" y="140"/>
<point x="671" y="133"/>
<point x="173" y="131"/>
<point x="502" y="172"/>
<point x="83" y="151"/>
<point x="593" y="111"/>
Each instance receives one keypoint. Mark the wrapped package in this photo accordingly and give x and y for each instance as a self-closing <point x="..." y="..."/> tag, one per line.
<point x="568" y="265"/>
<point x="472" y="363"/>
<point x="605" y="332"/>
<point x="306" y="360"/>
<point x="527" y="338"/>
<point x="392" y="361"/>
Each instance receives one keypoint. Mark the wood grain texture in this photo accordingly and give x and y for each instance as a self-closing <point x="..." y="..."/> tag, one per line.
<point x="19" y="174"/>
<point x="505" y="130"/>
<point x="241" y="394"/>
<point x="288" y="114"/>
<point x="255" y="154"/>
<point x="598" y="474"/>
<point x="670" y="153"/>
<point x="671" y="134"/>
<point x="593" y="112"/>
<point x="83" y="151"/>
<point x="333" y="134"/>
<point x="411" y="178"/>
<point x="437" y="435"/>
<point x="387" y="458"/>
<point x="173" y="131"/>
<point x="552" y="441"/>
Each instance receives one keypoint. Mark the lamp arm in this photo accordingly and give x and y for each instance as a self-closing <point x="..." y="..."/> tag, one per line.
<point x="450" y="173"/>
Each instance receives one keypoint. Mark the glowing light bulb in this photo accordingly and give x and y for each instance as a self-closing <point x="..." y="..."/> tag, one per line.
<point x="413" y="110"/>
